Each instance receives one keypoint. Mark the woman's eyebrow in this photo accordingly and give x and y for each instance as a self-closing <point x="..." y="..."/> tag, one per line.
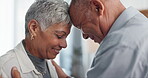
<point x="61" y="32"/>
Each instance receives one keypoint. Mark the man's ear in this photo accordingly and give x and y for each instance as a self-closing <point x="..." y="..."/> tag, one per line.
<point x="33" y="27"/>
<point x="99" y="6"/>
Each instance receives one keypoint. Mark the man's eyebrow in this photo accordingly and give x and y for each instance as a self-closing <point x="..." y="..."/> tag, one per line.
<point x="61" y="32"/>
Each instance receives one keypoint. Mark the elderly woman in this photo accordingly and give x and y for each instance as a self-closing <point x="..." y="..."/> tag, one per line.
<point x="47" y="24"/>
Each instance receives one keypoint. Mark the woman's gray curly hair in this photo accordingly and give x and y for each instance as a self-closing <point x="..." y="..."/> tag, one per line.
<point x="47" y="13"/>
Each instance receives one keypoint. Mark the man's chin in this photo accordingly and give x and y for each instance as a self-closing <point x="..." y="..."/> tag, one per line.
<point x="97" y="41"/>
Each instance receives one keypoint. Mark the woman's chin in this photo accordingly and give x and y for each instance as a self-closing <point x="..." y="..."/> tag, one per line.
<point x="51" y="57"/>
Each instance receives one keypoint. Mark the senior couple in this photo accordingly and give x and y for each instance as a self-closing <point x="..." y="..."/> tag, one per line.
<point x="121" y="32"/>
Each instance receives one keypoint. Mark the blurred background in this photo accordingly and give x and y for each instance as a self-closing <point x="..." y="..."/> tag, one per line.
<point x="75" y="59"/>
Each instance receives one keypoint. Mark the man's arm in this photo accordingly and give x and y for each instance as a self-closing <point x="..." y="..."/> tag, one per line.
<point x="115" y="62"/>
<point x="60" y="72"/>
<point x="14" y="73"/>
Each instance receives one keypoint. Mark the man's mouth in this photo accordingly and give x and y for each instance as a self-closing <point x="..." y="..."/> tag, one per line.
<point x="92" y="37"/>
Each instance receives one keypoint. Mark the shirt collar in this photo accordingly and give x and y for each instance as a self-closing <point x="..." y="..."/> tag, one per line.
<point x="123" y="19"/>
<point x="25" y="63"/>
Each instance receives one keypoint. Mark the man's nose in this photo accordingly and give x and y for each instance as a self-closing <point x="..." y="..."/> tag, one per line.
<point x="85" y="36"/>
<point x="63" y="43"/>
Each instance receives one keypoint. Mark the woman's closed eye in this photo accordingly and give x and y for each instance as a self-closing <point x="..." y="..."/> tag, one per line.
<point x="59" y="36"/>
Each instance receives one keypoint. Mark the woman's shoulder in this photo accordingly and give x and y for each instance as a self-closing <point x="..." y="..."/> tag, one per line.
<point x="7" y="61"/>
<point x="7" y="58"/>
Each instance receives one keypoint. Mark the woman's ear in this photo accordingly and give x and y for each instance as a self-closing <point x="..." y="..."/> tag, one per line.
<point x="33" y="27"/>
<point x="99" y="6"/>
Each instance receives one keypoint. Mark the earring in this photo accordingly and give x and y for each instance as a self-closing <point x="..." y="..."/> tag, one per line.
<point x="32" y="37"/>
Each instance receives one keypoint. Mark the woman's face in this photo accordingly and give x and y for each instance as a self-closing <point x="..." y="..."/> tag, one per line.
<point x="51" y="40"/>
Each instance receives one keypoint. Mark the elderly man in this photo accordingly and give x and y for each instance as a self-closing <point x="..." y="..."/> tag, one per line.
<point x="122" y="34"/>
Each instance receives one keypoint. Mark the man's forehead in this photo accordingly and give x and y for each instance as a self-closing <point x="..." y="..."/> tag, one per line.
<point x="80" y="1"/>
<point x="78" y="13"/>
<point x="75" y="15"/>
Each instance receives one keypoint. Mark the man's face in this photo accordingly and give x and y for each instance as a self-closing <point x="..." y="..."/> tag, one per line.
<point x="87" y="20"/>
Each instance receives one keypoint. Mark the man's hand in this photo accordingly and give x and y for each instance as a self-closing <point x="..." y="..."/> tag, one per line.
<point x="60" y="72"/>
<point x="15" y="73"/>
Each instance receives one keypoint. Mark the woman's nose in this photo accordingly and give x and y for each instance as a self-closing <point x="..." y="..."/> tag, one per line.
<point x="63" y="44"/>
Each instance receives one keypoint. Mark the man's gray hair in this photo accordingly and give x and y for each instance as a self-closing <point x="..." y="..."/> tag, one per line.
<point x="47" y="13"/>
